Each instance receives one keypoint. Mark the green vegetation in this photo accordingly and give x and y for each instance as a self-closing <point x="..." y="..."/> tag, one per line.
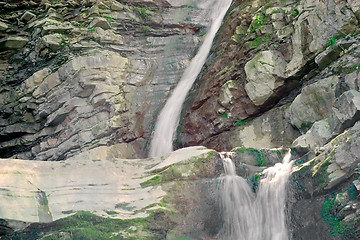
<point x="294" y="13"/>
<point x="255" y="181"/>
<point x="83" y="225"/>
<point x="331" y="42"/>
<point x="256" y="42"/>
<point x="224" y="115"/>
<point x="337" y="226"/>
<point x="88" y="226"/>
<point x="108" y="18"/>
<point x="259" y="156"/>
<point x="146" y="28"/>
<point x="142" y="13"/>
<point x="63" y="42"/>
<point x="91" y="29"/>
<point x="258" y="22"/>
<point x="352" y="192"/>
<point x="111" y="213"/>
<point x="353" y="69"/>
<point x="151" y="182"/>
<point x="240" y="122"/>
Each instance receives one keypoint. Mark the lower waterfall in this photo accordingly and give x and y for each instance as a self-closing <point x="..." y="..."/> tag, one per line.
<point x="254" y="216"/>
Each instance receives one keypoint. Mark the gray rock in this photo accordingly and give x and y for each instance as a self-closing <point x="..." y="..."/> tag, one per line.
<point x="355" y="7"/>
<point x="265" y="73"/>
<point x="116" y="6"/>
<point x="321" y="20"/>
<point x="226" y="98"/>
<point x="352" y="81"/>
<point x="3" y="26"/>
<point x="27" y="16"/>
<point x="101" y="169"/>
<point x="270" y="130"/>
<point x="318" y="135"/>
<point x="107" y="36"/>
<point x="313" y="103"/>
<point x="54" y="26"/>
<point x="13" y="42"/>
<point x="101" y="23"/>
<point x="329" y="19"/>
<point x="346" y="111"/>
<point x="333" y="52"/>
<point x="53" y="41"/>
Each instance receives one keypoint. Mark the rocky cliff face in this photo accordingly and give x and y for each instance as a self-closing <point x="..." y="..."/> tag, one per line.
<point x="265" y="53"/>
<point x="81" y="74"/>
<point x="83" y="81"/>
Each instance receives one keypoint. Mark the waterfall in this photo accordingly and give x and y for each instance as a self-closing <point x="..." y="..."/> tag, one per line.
<point x="168" y="119"/>
<point x="248" y="216"/>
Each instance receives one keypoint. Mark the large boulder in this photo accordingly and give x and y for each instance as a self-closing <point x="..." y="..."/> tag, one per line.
<point x="13" y="42"/>
<point x="317" y="136"/>
<point x="313" y="103"/>
<point x="265" y="74"/>
<point x="346" y="111"/>
<point x="270" y="130"/>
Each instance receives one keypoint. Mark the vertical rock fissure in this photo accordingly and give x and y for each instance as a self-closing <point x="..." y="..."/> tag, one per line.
<point x="247" y="215"/>
<point x="168" y="119"/>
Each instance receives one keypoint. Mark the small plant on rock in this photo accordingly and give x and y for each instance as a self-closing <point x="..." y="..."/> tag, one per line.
<point x="357" y="170"/>
<point x="331" y="42"/>
<point x="142" y="13"/>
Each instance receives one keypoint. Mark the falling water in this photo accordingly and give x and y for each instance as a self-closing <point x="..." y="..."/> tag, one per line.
<point x="250" y="216"/>
<point x="168" y="119"/>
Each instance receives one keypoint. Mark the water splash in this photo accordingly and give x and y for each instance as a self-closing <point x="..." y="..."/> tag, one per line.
<point x="168" y="119"/>
<point x="260" y="216"/>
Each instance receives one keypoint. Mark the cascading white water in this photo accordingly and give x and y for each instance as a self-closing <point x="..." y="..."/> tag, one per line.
<point x="168" y="119"/>
<point x="250" y="216"/>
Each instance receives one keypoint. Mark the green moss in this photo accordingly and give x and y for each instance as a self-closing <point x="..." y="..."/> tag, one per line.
<point x="255" y="181"/>
<point x="352" y="192"/>
<point x="224" y="115"/>
<point x="294" y="13"/>
<point x="258" y="155"/>
<point x="82" y="225"/>
<point x="256" y="42"/>
<point x="337" y="226"/>
<point x="240" y="122"/>
<point x="87" y="226"/>
<point x="152" y="181"/>
<point x="111" y="213"/>
<point x="322" y="179"/>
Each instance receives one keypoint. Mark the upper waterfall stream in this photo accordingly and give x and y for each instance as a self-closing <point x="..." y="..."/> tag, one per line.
<point x="168" y="119"/>
<point x="250" y="216"/>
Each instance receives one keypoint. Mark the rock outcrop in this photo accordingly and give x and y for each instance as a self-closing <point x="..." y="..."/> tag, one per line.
<point x="269" y="51"/>
<point x="80" y="74"/>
